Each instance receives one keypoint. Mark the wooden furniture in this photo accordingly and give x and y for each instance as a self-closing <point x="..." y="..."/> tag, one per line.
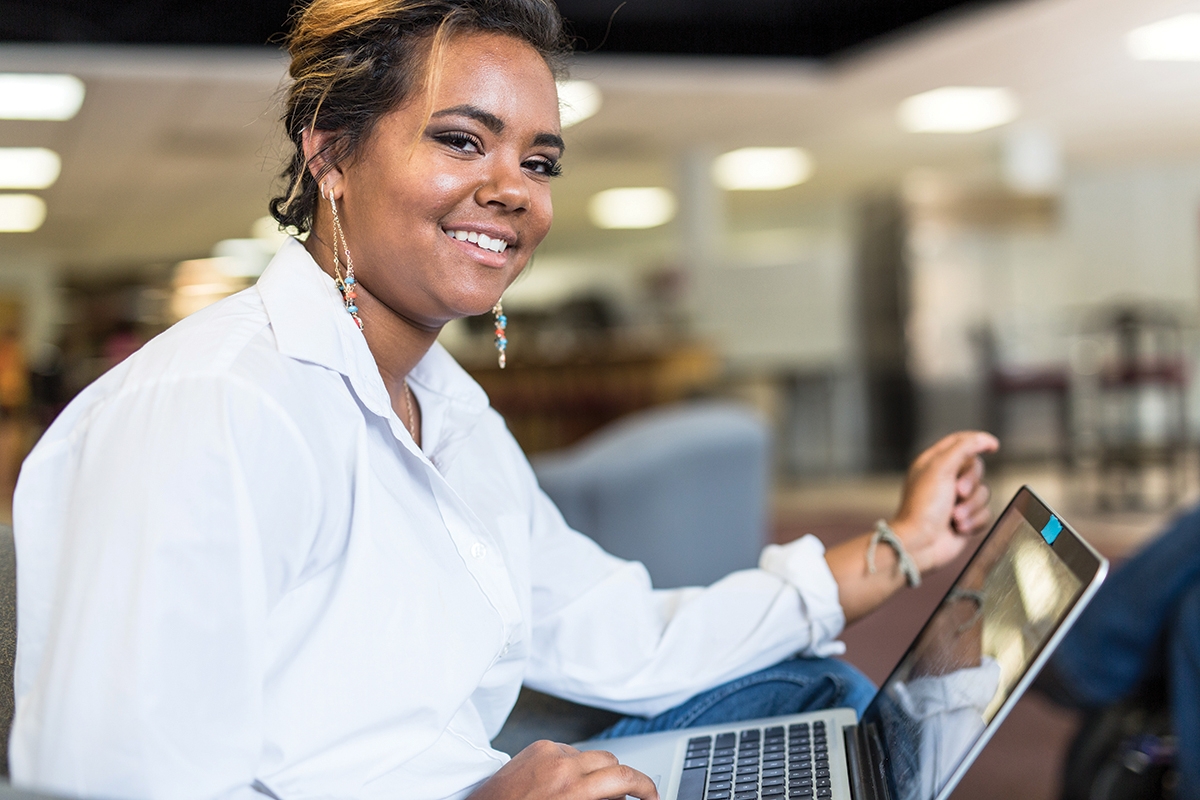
<point x="550" y="403"/>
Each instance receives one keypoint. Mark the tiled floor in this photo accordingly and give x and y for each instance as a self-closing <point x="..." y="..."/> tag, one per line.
<point x="1024" y="759"/>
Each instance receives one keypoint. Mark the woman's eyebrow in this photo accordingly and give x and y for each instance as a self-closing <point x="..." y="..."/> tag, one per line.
<point x="496" y="125"/>
<point x="550" y="140"/>
<point x="485" y="118"/>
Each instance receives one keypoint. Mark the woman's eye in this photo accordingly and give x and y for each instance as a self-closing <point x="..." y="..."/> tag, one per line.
<point x="544" y="166"/>
<point x="460" y="141"/>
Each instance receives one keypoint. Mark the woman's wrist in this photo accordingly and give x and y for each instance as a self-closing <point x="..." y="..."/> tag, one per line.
<point x="909" y="533"/>
<point x="885" y="535"/>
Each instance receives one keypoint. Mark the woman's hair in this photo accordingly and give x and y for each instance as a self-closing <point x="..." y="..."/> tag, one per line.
<point x="354" y="61"/>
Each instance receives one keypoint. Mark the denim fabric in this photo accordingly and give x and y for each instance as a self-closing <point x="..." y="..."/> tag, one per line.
<point x="789" y="687"/>
<point x="1183" y="683"/>
<point x="1143" y="624"/>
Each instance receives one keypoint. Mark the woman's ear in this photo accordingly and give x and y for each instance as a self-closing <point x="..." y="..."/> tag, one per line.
<point x="328" y="175"/>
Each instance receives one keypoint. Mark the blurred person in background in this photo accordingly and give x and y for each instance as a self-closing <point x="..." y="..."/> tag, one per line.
<point x="286" y="549"/>
<point x="1134" y="650"/>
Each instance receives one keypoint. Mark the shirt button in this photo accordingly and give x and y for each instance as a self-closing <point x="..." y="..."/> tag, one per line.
<point x="478" y="550"/>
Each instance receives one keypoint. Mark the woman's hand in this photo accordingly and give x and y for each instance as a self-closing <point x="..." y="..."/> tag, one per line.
<point x="549" y="770"/>
<point x="945" y="499"/>
<point x="944" y="502"/>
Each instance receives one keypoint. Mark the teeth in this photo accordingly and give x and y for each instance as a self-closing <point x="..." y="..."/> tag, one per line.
<point x="481" y="239"/>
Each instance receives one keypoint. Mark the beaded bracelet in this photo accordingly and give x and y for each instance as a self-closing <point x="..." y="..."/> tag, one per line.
<point x="884" y="533"/>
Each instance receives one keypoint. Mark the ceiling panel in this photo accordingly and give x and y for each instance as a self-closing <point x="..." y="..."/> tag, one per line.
<point x="808" y="28"/>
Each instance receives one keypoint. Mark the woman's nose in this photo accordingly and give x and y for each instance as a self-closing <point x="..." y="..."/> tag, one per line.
<point x="506" y="187"/>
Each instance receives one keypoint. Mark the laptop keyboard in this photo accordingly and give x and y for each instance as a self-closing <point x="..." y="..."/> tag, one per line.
<point x="768" y="763"/>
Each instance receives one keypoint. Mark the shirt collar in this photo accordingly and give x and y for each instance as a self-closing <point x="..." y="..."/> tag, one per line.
<point x="310" y="324"/>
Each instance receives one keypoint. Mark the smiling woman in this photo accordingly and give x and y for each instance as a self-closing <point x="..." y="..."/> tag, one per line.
<point x="287" y="549"/>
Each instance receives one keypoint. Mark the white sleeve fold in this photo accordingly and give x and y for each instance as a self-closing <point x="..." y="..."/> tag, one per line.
<point x="603" y="636"/>
<point x="802" y="564"/>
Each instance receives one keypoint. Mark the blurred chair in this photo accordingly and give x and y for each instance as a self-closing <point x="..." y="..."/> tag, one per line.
<point x="1143" y="398"/>
<point x="1007" y="383"/>
<point x="682" y="489"/>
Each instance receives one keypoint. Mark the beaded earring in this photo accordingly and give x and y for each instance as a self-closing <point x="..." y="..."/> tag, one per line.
<point x="346" y="285"/>
<point x="501" y="326"/>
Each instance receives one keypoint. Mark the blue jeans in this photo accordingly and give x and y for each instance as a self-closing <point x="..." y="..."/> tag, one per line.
<point x="1144" y="624"/>
<point x="789" y="687"/>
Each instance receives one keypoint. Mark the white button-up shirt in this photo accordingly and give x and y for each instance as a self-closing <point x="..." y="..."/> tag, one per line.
<point x="238" y="572"/>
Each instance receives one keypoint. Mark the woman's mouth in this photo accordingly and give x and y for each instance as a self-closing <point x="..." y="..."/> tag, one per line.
<point x="481" y="240"/>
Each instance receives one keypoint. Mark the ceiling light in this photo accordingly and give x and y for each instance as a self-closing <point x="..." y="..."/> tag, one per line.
<point x="577" y="100"/>
<point x="640" y="207"/>
<point x="28" y="167"/>
<point x="1174" y="39"/>
<point x="958" y="109"/>
<point x="21" y="213"/>
<point x="28" y="96"/>
<point x="753" y="168"/>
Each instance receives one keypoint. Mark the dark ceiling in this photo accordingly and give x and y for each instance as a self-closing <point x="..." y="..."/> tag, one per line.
<point x="798" y="28"/>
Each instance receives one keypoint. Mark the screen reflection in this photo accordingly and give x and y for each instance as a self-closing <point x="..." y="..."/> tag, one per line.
<point x="969" y="657"/>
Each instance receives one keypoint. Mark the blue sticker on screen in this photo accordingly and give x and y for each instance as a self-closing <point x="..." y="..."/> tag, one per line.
<point x="1051" y="530"/>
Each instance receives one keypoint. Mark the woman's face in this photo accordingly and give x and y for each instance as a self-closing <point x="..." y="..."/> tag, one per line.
<point x="422" y="199"/>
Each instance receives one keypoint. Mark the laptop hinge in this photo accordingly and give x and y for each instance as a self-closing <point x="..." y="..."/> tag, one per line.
<point x="866" y="782"/>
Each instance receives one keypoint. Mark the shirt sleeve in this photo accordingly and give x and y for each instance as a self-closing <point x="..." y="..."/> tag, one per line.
<point x="153" y="538"/>
<point x="603" y="636"/>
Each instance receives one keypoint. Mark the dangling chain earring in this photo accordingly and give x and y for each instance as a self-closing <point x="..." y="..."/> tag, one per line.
<point x="501" y="325"/>
<point x="348" y="284"/>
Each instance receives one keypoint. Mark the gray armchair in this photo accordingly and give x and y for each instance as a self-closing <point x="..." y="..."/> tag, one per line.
<point x="682" y="489"/>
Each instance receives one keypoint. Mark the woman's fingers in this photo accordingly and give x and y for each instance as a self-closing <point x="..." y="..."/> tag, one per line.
<point x="973" y="512"/>
<point x="617" y="781"/>
<point x="552" y="771"/>
<point x="967" y="511"/>
<point x="969" y="477"/>
<point x="955" y="447"/>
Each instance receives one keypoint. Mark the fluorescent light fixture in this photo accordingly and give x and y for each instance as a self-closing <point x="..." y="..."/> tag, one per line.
<point x="632" y="208"/>
<point x="21" y="213"/>
<point x="1174" y="39"/>
<point x="28" y="167"/>
<point x="958" y="109"/>
<point x="31" y="96"/>
<point x="758" y="168"/>
<point x="577" y="100"/>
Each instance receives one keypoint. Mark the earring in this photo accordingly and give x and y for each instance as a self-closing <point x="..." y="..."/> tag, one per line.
<point x="501" y="326"/>
<point x="348" y="284"/>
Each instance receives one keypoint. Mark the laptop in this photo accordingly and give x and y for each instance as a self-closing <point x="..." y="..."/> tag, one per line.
<point x="985" y="642"/>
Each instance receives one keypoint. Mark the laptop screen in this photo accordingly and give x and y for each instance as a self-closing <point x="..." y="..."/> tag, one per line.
<point x="1013" y="594"/>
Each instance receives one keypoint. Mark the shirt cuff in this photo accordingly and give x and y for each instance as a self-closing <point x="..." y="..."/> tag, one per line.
<point x="802" y="564"/>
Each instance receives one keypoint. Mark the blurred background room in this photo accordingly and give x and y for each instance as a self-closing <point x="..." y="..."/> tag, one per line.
<point x="865" y="224"/>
